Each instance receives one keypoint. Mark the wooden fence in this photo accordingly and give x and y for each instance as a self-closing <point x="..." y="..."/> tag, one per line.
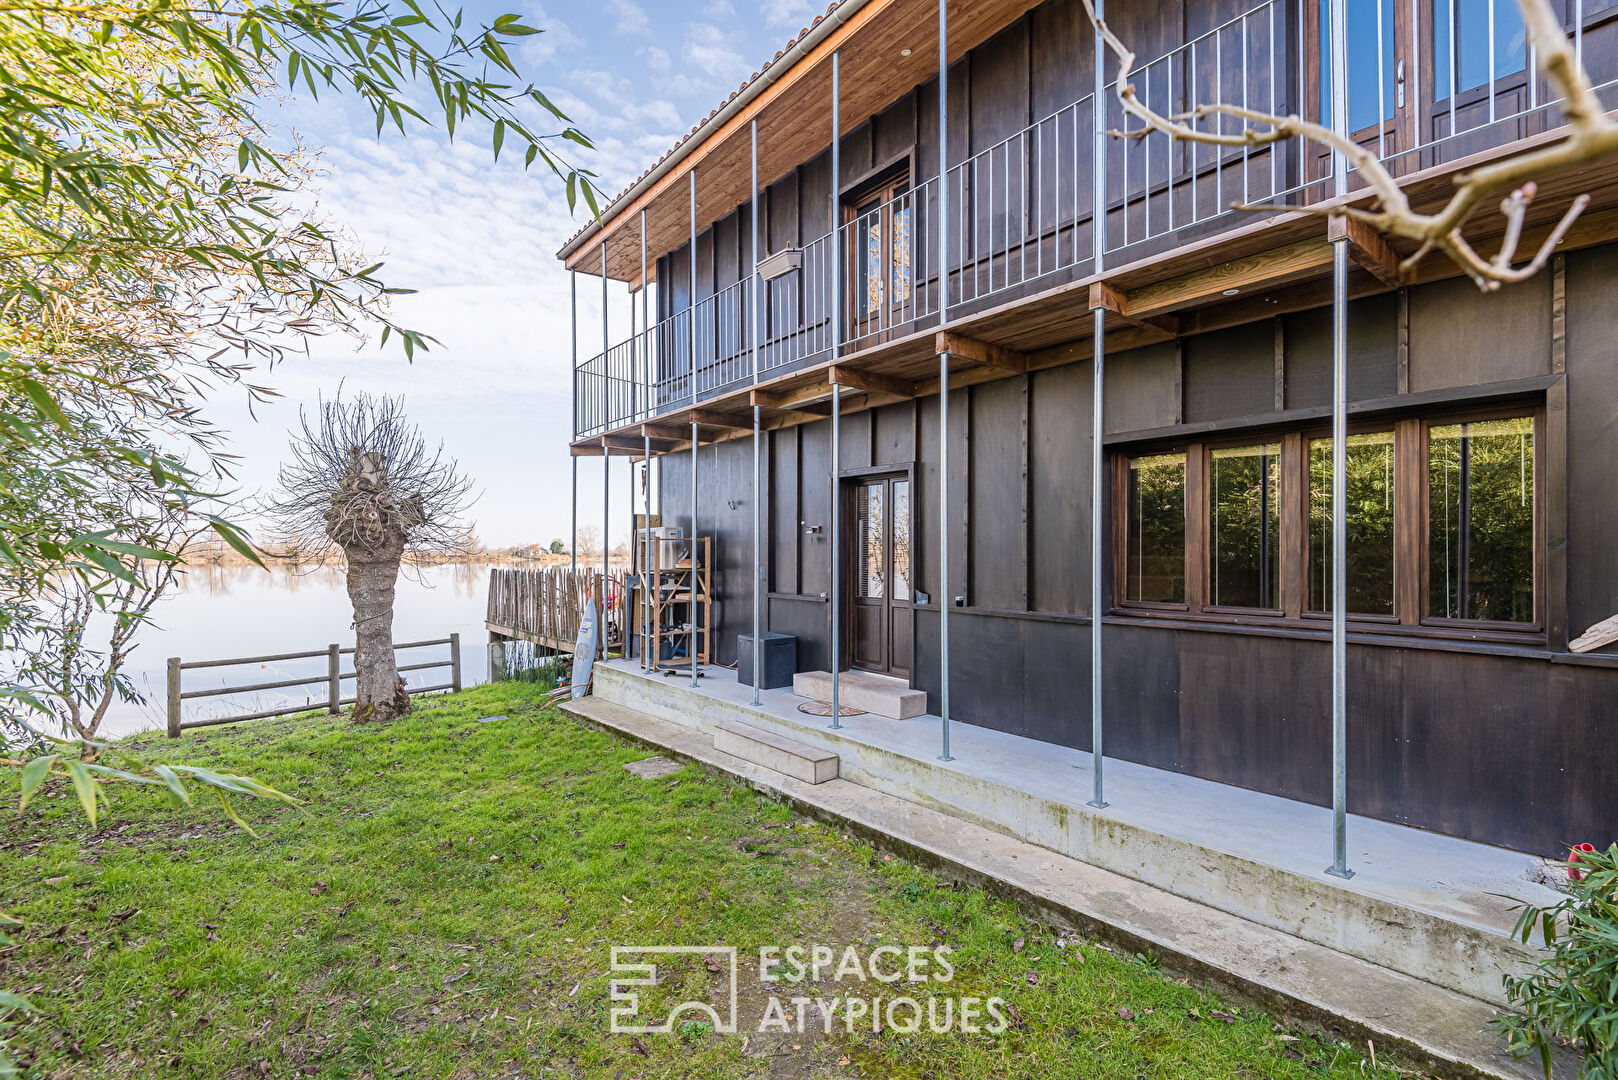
<point x="544" y="605"/>
<point x="333" y="680"/>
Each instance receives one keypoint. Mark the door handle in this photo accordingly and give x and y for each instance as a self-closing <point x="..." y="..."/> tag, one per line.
<point x="1399" y="83"/>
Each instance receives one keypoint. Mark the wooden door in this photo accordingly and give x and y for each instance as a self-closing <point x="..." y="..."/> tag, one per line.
<point x="880" y="271"/>
<point x="879" y="626"/>
<point x="1382" y="90"/>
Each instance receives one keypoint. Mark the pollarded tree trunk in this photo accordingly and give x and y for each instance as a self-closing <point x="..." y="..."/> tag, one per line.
<point x="380" y="692"/>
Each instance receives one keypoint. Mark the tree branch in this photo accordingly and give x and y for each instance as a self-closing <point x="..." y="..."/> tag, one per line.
<point x="1592" y="136"/>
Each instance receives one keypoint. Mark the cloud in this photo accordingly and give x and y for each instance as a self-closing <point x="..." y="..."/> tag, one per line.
<point x="632" y="18"/>
<point x="714" y="52"/>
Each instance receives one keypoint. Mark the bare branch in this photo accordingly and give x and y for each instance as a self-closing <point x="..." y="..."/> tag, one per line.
<point x="1592" y="136"/>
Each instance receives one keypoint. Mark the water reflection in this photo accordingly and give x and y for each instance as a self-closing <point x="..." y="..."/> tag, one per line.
<point x="228" y="611"/>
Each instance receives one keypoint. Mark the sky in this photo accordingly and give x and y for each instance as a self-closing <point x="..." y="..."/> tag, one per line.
<point x="478" y="241"/>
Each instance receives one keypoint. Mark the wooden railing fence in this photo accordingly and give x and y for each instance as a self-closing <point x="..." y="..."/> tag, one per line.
<point x="333" y="680"/>
<point x="544" y="605"/>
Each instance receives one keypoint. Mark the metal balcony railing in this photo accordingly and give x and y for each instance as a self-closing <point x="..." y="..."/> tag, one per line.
<point x="1021" y="212"/>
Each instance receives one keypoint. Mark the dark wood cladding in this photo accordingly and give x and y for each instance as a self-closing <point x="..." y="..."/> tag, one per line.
<point x="1505" y="744"/>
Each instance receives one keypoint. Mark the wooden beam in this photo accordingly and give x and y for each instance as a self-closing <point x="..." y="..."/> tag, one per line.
<point x="796" y="398"/>
<point x="636" y="444"/>
<point x="980" y="352"/>
<point x="1109" y="298"/>
<point x="1294" y="262"/>
<point x="872" y="381"/>
<point x="1366" y="247"/>
<point x="666" y="431"/>
<point x="719" y="419"/>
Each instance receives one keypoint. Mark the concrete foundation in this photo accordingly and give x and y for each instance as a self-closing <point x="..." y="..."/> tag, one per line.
<point x="1421" y="904"/>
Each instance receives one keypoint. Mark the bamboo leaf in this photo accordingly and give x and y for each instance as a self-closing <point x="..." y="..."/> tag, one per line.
<point x="33" y="774"/>
<point x="84" y="784"/>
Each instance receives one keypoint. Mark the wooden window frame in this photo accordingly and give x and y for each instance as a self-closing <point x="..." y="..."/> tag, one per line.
<point x="1411" y="569"/>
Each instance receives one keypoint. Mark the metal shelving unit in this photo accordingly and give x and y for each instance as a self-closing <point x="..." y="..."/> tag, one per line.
<point x="682" y="603"/>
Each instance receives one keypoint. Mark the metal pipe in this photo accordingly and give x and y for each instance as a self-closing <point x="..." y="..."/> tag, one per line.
<point x="691" y="321"/>
<point x="1098" y="228"/>
<point x="691" y="639"/>
<point x="1339" y="448"/>
<point x="573" y="322"/>
<point x="758" y="550"/>
<point x="606" y="465"/>
<point x="1098" y="331"/>
<point x="758" y="565"/>
<point x="836" y="557"/>
<point x="838" y="235"/>
<point x="943" y="381"/>
<point x="645" y="329"/>
<point x="646" y="554"/>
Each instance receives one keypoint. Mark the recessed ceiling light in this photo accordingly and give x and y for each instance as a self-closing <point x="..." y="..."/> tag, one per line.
<point x="1231" y="292"/>
<point x="904" y="52"/>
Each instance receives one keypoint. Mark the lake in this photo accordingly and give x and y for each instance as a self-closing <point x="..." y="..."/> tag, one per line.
<point x="221" y="612"/>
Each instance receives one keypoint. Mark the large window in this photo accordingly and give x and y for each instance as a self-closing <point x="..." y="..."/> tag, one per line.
<point x="1155" y="555"/>
<point x="1442" y="516"/>
<point x="1480" y="491"/>
<point x="1370" y="517"/>
<point x="1244" y="505"/>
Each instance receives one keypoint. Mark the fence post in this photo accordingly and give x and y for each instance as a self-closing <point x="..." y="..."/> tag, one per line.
<point x="334" y="678"/>
<point x="455" y="662"/>
<point x="174" y="697"/>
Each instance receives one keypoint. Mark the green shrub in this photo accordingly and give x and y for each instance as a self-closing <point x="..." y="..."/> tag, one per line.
<point x="1573" y="994"/>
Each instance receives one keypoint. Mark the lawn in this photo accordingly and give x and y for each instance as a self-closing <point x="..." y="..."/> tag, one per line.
<point x="446" y="904"/>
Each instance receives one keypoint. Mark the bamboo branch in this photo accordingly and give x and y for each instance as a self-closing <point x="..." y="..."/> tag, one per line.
<point x="1592" y="136"/>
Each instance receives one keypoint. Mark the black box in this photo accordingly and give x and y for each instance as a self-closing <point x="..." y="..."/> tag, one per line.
<point x="780" y="660"/>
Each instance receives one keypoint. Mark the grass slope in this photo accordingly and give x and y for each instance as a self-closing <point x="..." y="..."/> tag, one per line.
<point x="446" y="907"/>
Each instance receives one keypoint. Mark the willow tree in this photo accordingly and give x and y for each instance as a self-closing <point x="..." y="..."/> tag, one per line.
<point x="363" y="484"/>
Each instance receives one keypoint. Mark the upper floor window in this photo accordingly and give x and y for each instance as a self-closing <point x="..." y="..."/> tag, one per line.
<point x="1478" y="26"/>
<point x="880" y="264"/>
<point x="1442" y="526"/>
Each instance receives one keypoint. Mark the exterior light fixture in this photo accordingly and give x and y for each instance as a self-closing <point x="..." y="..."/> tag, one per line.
<point x="904" y="52"/>
<point x="1231" y="292"/>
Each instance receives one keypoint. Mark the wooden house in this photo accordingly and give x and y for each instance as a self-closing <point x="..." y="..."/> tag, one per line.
<point x="839" y="238"/>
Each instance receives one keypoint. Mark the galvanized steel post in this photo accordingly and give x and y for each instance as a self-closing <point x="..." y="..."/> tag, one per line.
<point x="944" y="600"/>
<point x="1339" y="464"/>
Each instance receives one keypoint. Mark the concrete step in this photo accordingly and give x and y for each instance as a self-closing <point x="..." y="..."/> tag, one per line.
<point x="799" y="760"/>
<point x="1425" y="905"/>
<point x="876" y="694"/>
<point x="1299" y="981"/>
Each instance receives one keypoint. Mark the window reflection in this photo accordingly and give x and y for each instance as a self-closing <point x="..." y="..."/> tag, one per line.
<point x="1155" y="560"/>
<point x="1369" y="499"/>
<point x="1467" y="51"/>
<point x="1481" y="520"/>
<point x="901" y="540"/>
<point x="1245" y="534"/>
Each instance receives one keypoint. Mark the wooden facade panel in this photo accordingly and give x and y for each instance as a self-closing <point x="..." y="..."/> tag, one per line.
<point x="893" y="438"/>
<point x="1460" y="336"/>
<point x="1143" y="389"/>
<point x="782" y="555"/>
<point x="998" y="495"/>
<point x="1373" y="349"/>
<point x="1059" y="464"/>
<point x="1592" y="427"/>
<point x="814" y="472"/>
<point x="1229" y="373"/>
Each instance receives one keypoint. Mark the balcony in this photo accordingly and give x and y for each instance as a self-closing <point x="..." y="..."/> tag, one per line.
<point x="1020" y="214"/>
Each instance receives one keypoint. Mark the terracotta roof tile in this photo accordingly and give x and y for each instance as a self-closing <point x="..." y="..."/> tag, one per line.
<point x="613" y="202"/>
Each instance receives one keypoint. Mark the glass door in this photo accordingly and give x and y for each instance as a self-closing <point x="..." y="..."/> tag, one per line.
<point x="880" y="274"/>
<point x="880" y="629"/>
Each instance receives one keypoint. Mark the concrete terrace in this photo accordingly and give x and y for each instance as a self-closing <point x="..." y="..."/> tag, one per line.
<point x="1419" y="904"/>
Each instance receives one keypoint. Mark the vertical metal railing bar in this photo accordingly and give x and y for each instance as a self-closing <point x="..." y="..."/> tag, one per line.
<point x="1194" y="149"/>
<point x="1269" y="39"/>
<point x="1490" y="5"/>
<point x="1219" y="120"/>
<point x="1449" y="61"/>
<point x="1246" y="159"/>
<point x="1381" y="86"/>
